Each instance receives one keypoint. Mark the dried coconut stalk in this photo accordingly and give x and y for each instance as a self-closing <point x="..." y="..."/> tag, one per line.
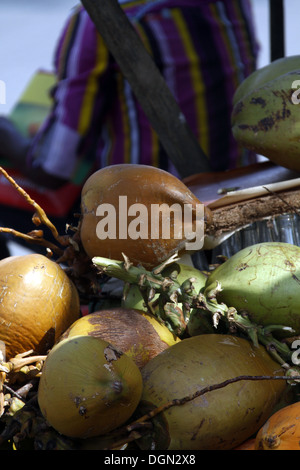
<point x="20" y="360"/>
<point x="134" y="430"/>
<point x="39" y="217"/>
<point x="32" y="239"/>
<point x="2" y="380"/>
<point x="235" y="216"/>
<point x="40" y="211"/>
<point x="209" y="388"/>
<point x="18" y="363"/>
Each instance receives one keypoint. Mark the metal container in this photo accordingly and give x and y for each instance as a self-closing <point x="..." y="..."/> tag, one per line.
<point x="283" y="228"/>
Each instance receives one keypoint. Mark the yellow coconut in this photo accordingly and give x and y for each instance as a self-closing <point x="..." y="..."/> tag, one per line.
<point x="38" y="302"/>
<point x="88" y="387"/>
<point x="138" y="334"/>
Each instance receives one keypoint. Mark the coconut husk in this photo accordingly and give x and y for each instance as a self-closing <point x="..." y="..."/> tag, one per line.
<point x="236" y="201"/>
<point x="232" y="217"/>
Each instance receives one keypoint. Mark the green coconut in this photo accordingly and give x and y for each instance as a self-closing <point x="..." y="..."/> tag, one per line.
<point x="88" y="387"/>
<point x="266" y="120"/>
<point x="265" y="74"/>
<point x="263" y="282"/>
<point x="220" y="419"/>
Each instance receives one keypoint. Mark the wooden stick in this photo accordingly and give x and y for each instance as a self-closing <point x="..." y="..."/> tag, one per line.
<point x="277" y="34"/>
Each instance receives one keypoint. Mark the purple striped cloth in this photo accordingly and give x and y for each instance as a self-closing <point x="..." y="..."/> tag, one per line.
<point x="203" y="48"/>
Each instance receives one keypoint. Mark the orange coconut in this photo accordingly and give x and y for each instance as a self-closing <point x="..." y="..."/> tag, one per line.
<point x="119" y="209"/>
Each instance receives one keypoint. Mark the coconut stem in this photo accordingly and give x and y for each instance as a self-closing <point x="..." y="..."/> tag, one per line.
<point x="126" y="272"/>
<point x="41" y="213"/>
<point x="32" y="238"/>
<point x="258" y="334"/>
<point x="20" y="361"/>
<point x="280" y="351"/>
<point x="151" y="282"/>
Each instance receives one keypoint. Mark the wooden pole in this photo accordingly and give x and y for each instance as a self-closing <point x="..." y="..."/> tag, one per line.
<point x="277" y="38"/>
<point x="148" y="86"/>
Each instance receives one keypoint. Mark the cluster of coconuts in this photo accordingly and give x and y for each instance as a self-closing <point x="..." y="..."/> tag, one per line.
<point x="102" y="368"/>
<point x="38" y="300"/>
<point x="40" y="312"/>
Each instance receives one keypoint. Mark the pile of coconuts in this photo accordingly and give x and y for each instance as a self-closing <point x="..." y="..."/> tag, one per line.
<point x="107" y="373"/>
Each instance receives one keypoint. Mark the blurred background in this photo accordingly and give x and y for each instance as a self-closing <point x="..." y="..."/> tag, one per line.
<point x="28" y="33"/>
<point x="29" y="30"/>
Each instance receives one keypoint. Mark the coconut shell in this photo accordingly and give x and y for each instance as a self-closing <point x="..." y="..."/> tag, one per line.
<point x="220" y="419"/>
<point x="262" y="281"/>
<point x="266" y="120"/>
<point x="136" y="333"/>
<point x="88" y="387"/>
<point x="38" y="302"/>
<point x="281" y="431"/>
<point x="138" y="184"/>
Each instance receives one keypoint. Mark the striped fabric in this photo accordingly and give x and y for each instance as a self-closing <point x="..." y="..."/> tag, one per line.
<point x="203" y="48"/>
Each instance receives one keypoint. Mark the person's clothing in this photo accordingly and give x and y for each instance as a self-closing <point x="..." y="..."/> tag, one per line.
<point x="203" y="48"/>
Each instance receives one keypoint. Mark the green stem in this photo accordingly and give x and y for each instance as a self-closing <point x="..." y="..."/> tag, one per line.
<point x="280" y="351"/>
<point x="137" y="275"/>
<point x="149" y="283"/>
<point x="256" y="333"/>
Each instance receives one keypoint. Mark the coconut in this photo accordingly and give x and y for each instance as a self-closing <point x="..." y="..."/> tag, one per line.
<point x="138" y="334"/>
<point x="88" y="387"/>
<point x="220" y="419"/>
<point x="262" y="281"/>
<point x="120" y="210"/>
<point x="38" y="302"/>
